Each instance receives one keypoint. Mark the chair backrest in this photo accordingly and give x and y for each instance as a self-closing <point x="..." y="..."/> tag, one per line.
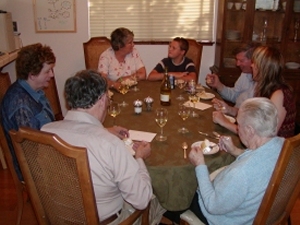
<point x="52" y="95"/>
<point x="5" y="82"/>
<point x="93" y="49"/>
<point x="195" y="53"/>
<point x="284" y="186"/>
<point x="57" y="177"/>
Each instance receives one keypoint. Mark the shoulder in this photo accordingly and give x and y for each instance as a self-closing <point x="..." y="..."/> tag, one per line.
<point x="188" y="60"/>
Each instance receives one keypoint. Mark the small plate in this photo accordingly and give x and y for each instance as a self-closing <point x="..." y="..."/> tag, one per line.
<point x="206" y="96"/>
<point x="231" y="119"/>
<point x="215" y="147"/>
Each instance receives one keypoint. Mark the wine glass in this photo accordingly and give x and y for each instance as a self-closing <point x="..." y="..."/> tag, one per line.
<point x="161" y="118"/>
<point x="194" y="98"/>
<point x="181" y="84"/>
<point x="184" y="113"/>
<point x="114" y="110"/>
<point x="123" y="89"/>
<point x="134" y="78"/>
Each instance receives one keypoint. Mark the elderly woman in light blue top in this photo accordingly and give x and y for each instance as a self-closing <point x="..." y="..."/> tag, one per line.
<point x="234" y="196"/>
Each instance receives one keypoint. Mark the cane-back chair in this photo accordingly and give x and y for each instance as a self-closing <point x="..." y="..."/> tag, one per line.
<point x="58" y="179"/>
<point x="52" y="95"/>
<point x="281" y="193"/>
<point x="195" y="53"/>
<point x="93" y="49"/>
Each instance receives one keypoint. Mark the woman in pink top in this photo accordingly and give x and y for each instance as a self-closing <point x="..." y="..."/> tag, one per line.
<point x="121" y="60"/>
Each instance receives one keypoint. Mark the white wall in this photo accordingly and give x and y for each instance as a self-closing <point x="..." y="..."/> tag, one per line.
<point x="68" y="46"/>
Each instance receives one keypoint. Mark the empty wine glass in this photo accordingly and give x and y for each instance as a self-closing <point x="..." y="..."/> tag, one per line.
<point x="194" y="98"/>
<point x="134" y="77"/>
<point x="114" y="110"/>
<point x="181" y="84"/>
<point x="184" y="113"/>
<point x="123" y="89"/>
<point x="161" y="118"/>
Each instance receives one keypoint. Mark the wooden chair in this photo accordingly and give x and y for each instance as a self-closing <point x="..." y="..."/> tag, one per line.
<point x="283" y="189"/>
<point x="52" y="95"/>
<point x="195" y="53"/>
<point x="4" y="84"/>
<point x="93" y="49"/>
<point x="58" y="179"/>
<point x="20" y="187"/>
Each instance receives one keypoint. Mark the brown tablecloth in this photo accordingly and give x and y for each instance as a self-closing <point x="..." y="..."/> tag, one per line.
<point x="173" y="177"/>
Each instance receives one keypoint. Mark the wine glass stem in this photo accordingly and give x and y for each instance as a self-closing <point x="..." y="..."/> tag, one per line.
<point x="161" y="132"/>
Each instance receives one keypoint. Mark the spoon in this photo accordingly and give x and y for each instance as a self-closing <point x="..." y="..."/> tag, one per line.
<point x="185" y="147"/>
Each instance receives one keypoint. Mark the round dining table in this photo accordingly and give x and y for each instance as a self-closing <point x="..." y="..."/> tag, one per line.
<point x="172" y="175"/>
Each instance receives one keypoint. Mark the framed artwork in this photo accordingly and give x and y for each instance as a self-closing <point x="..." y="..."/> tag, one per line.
<point x="54" y="16"/>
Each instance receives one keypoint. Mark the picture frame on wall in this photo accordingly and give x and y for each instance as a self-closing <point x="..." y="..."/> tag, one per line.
<point x="54" y="16"/>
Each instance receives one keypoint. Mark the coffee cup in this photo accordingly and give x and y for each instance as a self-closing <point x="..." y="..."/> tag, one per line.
<point x="238" y="5"/>
<point x="229" y="5"/>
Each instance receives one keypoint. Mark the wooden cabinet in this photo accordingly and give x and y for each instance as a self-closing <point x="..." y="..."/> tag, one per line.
<point x="270" y="22"/>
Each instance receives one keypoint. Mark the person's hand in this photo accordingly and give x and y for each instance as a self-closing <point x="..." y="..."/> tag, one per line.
<point x="220" y="105"/>
<point x="213" y="81"/>
<point x="120" y="132"/>
<point x="219" y="118"/>
<point x="142" y="149"/>
<point x="226" y="144"/>
<point x="196" y="156"/>
<point x="178" y="75"/>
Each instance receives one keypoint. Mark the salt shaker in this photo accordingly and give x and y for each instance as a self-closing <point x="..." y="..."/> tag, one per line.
<point x="138" y="106"/>
<point x="148" y="101"/>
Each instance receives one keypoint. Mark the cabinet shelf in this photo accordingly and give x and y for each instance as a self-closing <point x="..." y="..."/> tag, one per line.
<point x="277" y="27"/>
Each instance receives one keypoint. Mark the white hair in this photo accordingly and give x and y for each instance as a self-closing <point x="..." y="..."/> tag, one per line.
<point x="261" y="114"/>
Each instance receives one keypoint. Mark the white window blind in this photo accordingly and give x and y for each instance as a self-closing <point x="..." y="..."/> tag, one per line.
<point x="153" y="20"/>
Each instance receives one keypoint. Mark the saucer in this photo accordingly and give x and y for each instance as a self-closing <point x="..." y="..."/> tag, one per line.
<point x="206" y="96"/>
<point x="215" y="147"/>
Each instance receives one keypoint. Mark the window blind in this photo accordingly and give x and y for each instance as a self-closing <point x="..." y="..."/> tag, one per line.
<point x="153" y="20"/>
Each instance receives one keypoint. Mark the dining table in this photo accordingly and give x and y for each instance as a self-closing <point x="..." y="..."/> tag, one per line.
<point x="173" y="176"/>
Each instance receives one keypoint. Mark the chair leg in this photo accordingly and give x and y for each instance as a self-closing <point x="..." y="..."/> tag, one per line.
<point x="20" y="205"/>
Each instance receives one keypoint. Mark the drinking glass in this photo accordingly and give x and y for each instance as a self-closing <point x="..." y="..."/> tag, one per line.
<point x="181" y="84"/>
<point x="161" y="118"/>
<point x="123" y="89"/>
<point x="134" y="77"/>
<point x="194" y="98"/>
<point x="184" y="113"/>
<point x="114" y="110"/>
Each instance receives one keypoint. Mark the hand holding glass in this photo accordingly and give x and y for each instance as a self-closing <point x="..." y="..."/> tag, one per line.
<point x="161" y="118"/>
<point x="114" y="110"/>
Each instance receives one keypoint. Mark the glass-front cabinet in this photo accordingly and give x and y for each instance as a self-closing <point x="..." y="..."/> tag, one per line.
<point x="269" y="22"/>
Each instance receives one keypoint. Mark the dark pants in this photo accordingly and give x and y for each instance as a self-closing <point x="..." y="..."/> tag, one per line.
<point x="194" y="207"/>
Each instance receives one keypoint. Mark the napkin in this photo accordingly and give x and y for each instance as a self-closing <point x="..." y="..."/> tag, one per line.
<point x="198" y="105"/>
<point x="141" y="135"/>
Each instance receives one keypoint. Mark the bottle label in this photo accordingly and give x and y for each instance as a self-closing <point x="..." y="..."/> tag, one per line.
<point x="164" y="98"/>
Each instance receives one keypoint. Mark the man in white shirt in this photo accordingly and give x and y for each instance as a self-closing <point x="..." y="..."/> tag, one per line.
<point x="244" y="86"/>
<point x="117" y="175"/>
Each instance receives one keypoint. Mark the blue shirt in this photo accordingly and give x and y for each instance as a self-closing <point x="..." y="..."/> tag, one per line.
<point x="235" y="194"/>
<point x="23" y="106"/>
